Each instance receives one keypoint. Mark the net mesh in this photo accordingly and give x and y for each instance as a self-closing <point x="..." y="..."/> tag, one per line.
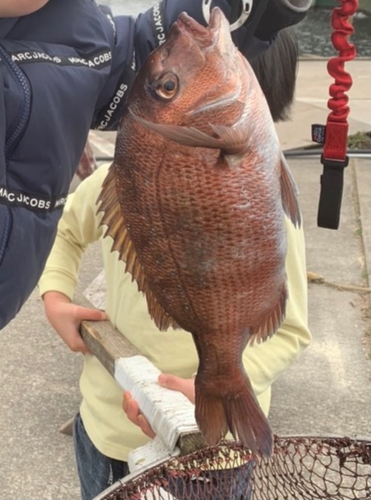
<point x="301" y="468"/>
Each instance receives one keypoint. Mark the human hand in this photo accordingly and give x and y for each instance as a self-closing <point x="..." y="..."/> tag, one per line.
<point x="10" y="8"/>
<point x="184" y="385"/>
<point x="65" y="317"/>
<point x="131" y="408"/>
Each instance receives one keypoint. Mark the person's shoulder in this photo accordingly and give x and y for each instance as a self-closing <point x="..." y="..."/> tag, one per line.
<point x="97" y="177"/>
<point x="101" y="172"/>
<point x="88" y="190"/>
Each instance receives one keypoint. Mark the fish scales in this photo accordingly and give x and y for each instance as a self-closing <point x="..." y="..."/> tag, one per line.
<point x="202" y="190"/>
<point x="197" y="238"/>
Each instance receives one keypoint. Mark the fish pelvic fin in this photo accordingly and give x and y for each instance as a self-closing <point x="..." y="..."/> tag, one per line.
<point x="230" y="140"/>
<point x="289" y="193"/>
<point x="232" y="405"/>
<point x="116" y="228"/>
<point x="271" y="321"/>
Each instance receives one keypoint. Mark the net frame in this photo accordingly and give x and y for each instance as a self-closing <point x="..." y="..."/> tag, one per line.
<point x="300" y="468"/>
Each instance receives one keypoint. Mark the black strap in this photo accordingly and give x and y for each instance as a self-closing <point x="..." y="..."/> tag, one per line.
<point x="332" y="181"/>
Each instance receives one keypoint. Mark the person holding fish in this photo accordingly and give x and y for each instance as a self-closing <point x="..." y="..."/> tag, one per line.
<point x="199" y="208"/>
<point x="67" y="66"/>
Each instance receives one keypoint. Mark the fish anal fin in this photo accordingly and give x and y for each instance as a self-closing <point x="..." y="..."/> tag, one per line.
<point x="289" y="193"/>
<point x="114" y="220"/>
<point x="271" y="322"/>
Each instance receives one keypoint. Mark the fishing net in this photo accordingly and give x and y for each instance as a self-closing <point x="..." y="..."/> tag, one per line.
<point x="301" y="468"/>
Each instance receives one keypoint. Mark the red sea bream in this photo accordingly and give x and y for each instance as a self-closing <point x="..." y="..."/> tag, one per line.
<point x="195" y="201"/>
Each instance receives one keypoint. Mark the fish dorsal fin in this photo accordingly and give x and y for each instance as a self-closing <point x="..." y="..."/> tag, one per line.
<point x="231" y="140"/>
<point x="289" y="193"/>
<point x="114" y="220"/>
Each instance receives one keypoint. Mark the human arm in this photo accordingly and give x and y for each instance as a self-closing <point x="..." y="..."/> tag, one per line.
<point x="255" y="39"/>
<point x="256" y="34"/>
<point x="78" y="227"/>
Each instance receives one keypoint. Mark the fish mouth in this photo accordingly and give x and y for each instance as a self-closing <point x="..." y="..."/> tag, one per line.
<point x="187" y="23"/>
<point x="216" y="34"/>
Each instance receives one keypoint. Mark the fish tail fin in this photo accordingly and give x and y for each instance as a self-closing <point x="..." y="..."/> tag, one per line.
<point x="232" y="405"/>
<point x="210" y="416"/>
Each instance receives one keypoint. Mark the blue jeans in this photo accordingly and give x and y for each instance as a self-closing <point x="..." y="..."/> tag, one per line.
<point x="228" y="484"/>
<point x="97" y="472"/>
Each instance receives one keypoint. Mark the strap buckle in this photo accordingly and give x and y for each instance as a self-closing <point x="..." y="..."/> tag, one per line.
<point x="245" y="12"/>
<point x="326" y="162"/>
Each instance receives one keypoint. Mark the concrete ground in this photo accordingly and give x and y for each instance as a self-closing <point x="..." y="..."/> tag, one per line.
<point x="326" y="392"/>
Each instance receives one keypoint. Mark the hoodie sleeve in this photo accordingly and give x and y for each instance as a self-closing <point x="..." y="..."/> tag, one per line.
<point x="78" y="227"/>
<point x="136" y="39"/>
<point x="266" y="19"/>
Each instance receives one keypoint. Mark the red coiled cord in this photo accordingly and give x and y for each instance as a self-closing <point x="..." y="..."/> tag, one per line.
<point x="335" y="146"/>
<point x="334" y="156"/>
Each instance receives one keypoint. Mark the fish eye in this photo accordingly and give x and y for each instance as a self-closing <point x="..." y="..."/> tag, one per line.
<point x="167" y="86"/>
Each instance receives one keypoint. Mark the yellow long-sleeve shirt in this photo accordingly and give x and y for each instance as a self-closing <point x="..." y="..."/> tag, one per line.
<point x="172" y="351"/>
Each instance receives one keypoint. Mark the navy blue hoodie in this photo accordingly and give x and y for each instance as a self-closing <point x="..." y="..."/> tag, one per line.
<point x="63" y="70"/>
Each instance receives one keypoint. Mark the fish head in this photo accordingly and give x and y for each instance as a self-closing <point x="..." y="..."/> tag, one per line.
<point x="194" y="71"/>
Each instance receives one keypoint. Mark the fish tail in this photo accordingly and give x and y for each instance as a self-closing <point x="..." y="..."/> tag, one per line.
<point x="232" y="405"/>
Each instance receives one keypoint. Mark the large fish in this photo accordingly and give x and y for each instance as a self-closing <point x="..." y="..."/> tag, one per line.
<point x="202" y="188"/>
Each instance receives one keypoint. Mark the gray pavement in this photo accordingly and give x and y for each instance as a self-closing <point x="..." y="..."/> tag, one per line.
<point x="326" y="392"/>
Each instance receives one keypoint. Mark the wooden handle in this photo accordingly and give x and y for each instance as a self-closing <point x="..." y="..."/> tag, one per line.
<point x="104" y="340"/>
<point x="112" y="348"/>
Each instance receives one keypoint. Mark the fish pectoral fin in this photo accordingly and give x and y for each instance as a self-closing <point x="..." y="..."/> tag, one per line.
<point x="188" y="136"/>
<point x="233" y="140"/>
<point x="289" y="193"/>
<point x="229" y="141"/>
<point x="116" y="228"/>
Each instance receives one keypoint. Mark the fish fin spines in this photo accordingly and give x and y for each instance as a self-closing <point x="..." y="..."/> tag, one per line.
<point x="271" y="322"/>
<point x="289" y="194"/>
<point x="234" y="408"/>
<point x="161" y="318"/>
<point x="112" y="218"/>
